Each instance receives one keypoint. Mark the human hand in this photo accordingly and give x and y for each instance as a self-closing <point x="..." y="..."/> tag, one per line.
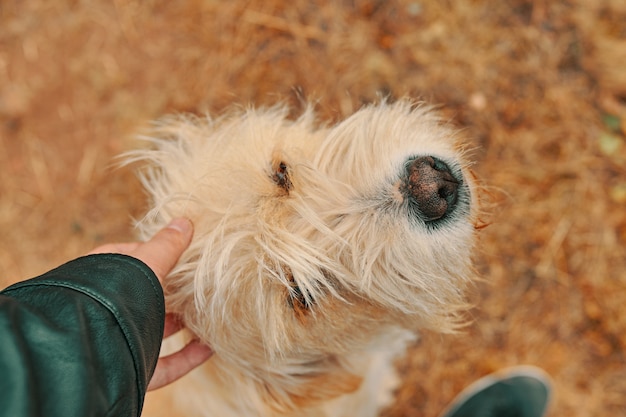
<point x="161" y="254"/>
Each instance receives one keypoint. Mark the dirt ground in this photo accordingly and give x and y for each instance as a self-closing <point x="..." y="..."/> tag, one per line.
<point x="539" y="87"/>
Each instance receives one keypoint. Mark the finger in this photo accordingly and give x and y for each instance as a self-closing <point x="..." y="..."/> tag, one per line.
<point x="172" y="324"/>
<point x="172" y="367"/>
<point x="162" y="251"/>
<point x="124" y="248"/>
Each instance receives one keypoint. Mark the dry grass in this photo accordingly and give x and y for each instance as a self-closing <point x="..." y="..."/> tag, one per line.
<point x="539" y="85"/>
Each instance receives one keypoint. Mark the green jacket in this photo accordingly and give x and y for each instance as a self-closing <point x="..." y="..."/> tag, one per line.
<point x="80" y="340"/>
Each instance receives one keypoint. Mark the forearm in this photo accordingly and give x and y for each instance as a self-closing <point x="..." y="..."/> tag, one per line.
<point x="82" y="339"/>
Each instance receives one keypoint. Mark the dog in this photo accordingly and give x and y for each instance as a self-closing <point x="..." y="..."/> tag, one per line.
<point x="319" y="250"/>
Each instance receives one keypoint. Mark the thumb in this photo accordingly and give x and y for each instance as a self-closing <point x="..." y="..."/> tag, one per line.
<point x="162" y="251"/>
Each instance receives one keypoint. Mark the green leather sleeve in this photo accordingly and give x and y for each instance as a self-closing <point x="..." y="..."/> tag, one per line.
<point x="80" y="340"/>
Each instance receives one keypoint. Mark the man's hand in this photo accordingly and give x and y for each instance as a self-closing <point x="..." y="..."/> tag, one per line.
<point x="161" y="254"/>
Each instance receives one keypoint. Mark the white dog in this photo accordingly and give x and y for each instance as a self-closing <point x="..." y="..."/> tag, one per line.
<point x="318" y="251"/>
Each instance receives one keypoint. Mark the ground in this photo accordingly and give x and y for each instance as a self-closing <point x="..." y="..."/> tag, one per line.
<point x="538" y="87"/>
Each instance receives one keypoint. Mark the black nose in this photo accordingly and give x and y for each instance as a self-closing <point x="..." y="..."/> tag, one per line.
<point x="431" y="187"/>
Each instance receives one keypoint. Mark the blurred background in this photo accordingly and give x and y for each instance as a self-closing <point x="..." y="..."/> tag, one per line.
<point x="537" y="86"/>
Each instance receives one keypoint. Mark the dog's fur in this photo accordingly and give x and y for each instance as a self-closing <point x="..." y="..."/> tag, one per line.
<point x="308" y="272"/>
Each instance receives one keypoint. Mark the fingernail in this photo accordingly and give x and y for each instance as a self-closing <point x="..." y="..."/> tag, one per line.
<point x="181" y="224"/>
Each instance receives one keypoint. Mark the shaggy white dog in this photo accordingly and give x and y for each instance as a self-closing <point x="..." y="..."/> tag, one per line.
<point x="318" y="251"/>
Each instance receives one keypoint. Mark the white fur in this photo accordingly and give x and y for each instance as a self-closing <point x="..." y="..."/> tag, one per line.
<point x="370" y="274"/>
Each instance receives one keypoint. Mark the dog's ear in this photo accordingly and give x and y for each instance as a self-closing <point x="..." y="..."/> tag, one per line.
<point x="307" y="390"/>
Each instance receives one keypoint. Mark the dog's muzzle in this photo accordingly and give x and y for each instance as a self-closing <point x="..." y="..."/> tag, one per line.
<point x="432" y="188"/>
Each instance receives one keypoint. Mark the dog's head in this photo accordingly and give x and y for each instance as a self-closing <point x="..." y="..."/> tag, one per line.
<point x="313" y="242"/>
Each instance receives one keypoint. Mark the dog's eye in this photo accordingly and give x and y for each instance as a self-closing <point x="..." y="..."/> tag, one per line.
<point x="296" y="298"/>
<point x="281" y="176"/>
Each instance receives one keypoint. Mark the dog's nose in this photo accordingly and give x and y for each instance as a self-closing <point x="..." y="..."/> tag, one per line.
<point x="432" y="187"/>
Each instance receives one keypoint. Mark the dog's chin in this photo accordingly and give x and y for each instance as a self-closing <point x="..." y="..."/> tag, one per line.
<point x="299" y="392"/>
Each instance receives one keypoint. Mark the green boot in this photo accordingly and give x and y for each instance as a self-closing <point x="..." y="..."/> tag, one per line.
<point x="521" y="391"/>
